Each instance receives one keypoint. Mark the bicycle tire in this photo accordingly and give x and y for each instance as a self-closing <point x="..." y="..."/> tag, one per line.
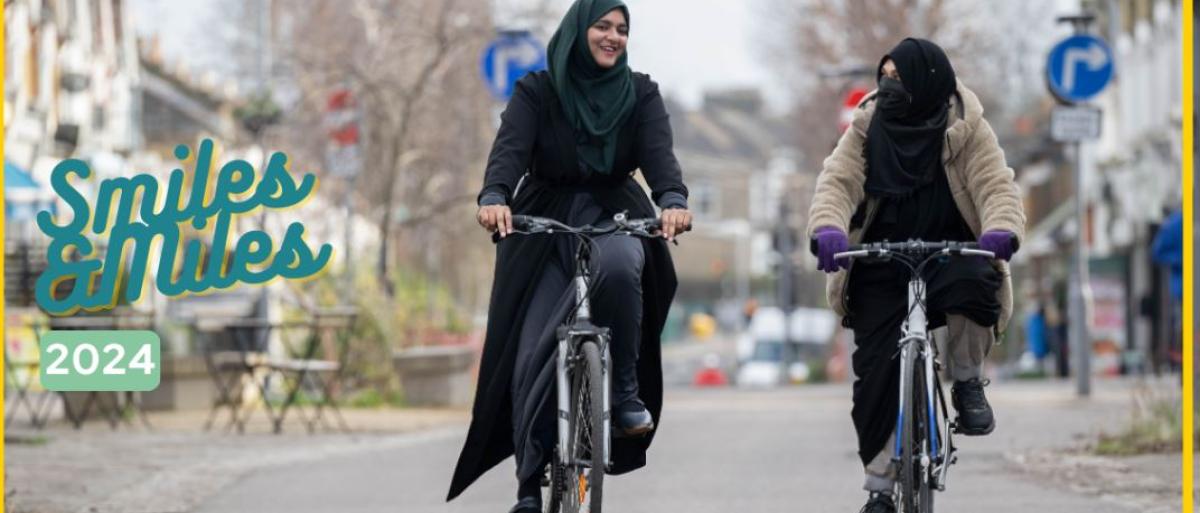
<point x="583" y="492"/>
<point x="920" y="403"/>
<point x="908" y="464"/>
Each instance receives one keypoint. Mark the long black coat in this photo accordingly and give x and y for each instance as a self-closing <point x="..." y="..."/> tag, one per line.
<point x="535" y="138"/>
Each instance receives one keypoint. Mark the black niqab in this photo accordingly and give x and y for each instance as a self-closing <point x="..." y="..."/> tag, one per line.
<point x="904" y="140"/>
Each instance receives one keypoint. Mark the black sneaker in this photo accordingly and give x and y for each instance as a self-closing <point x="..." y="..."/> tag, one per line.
<point x="974" y="414"/>
<point x="879" y="503"/>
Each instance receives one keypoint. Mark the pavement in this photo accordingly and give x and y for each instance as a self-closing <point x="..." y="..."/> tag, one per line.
<point x="177" y="465"/>
<point x="717" y="450"/>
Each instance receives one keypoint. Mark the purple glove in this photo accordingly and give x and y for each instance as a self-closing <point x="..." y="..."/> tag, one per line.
<point x="830" y="241"/>
<point x="1001" y="242"/>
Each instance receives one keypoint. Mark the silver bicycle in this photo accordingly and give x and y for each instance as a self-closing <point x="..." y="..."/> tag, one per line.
<point x="584" y="367"/>
<point x="924" y="449"/>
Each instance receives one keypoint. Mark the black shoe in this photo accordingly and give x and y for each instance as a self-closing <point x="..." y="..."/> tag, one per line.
<point x="528" y="505"/>
<point x="974" y="414"/>
<point x="633" y="420"/>
<point x="879" y="503"/>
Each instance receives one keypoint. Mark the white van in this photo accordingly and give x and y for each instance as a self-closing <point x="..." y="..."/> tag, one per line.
<point x="766" y="360"/>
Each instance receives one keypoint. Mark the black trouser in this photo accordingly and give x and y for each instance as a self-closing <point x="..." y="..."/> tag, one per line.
<point x="616" y="303"/>
<point x="878" y="306"/>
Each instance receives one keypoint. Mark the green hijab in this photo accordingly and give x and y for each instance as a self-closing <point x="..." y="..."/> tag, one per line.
<point x="596" y="101"/>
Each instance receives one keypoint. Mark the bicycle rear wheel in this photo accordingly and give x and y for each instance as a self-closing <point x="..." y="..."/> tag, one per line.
<point x="584" y="473"/>
<point x="553" y="489"/>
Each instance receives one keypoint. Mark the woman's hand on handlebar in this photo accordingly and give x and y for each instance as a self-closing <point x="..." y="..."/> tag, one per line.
<point x="495" y="218"/>
<point x="829" y="242"/>
<point x="675" y="221"/>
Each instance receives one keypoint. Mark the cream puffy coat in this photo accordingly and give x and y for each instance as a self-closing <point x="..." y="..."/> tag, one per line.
<point x="981" y="182"/>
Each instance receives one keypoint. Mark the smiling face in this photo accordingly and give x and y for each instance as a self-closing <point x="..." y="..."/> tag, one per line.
<point x="607" y="37"/>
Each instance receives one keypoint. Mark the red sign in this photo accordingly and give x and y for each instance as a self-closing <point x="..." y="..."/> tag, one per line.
<point x="849" y="103"/>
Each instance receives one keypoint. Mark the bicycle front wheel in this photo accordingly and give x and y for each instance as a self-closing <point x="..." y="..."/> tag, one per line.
<point x="908" y="444"/>
<point x="587" y="461"/>
<point x="921" y="436"/>
<point x="916" y="492"/>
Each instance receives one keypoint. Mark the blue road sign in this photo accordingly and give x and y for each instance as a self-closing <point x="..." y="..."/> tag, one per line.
<point x="1079" y="67"/>
<point x="508" y="58"/>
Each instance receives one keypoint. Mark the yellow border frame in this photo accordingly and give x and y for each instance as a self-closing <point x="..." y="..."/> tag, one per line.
<point x="1188" y="153"/>
<point x="3" y="221"/>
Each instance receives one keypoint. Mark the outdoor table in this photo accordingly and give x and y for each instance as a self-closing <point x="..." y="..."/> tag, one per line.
<point x="119" y="410"/>
<point x="250" y="358"/>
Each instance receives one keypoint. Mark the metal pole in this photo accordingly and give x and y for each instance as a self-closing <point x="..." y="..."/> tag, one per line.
<point x="786" y="272"/>
<point x="1080" y="339"/>
<point x="348" y="267"/>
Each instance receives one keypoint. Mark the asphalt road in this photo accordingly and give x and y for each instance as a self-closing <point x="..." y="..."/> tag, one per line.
<point x="788" y="450"/>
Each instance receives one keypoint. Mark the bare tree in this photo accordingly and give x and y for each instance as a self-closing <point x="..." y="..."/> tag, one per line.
<point x="411" y="65"/>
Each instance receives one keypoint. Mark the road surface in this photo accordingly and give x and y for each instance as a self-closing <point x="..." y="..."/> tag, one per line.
<point x="787" y="450"/>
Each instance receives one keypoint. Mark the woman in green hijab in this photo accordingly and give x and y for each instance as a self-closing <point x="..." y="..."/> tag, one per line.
<point x="569" y="143"/>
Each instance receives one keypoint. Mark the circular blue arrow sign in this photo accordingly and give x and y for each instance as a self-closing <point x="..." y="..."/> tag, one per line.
<point x="1079" y="67"/>
<point x="508" y="58"/>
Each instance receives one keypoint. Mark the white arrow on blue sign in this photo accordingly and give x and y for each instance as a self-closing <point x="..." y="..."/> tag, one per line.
<point x="1079" y="67"/>
<point x="508" y="58"/>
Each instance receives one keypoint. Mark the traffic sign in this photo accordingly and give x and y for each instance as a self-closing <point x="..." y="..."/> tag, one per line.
<point x="508" y="58"/>
<point x="341" y="122"/>
<point x="1073" y="124"/>
<point x="849" y="104"/>
<point x="1079" y="67"/>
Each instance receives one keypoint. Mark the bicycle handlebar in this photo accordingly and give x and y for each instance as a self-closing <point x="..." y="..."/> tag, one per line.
<point x="640" y="227"/>
<point x="916" y="248"/>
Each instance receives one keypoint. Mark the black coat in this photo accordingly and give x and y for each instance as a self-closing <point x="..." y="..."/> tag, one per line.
<point x="535" y="138"/>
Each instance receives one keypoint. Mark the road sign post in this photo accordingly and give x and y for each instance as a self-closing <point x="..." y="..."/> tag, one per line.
<point x="1077" y="69"/>
<point x="344" y="158"/>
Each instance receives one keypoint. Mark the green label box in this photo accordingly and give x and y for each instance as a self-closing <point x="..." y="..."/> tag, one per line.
<point x="100" y="360"/>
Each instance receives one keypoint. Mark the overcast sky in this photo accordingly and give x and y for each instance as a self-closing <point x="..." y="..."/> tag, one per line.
<point x="688" y="46"/>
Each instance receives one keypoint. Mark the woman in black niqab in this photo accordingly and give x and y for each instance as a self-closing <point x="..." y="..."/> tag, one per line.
<point x="904" y="142"/>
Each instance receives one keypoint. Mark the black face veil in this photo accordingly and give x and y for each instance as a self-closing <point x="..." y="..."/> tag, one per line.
<point x="905" y="138"/>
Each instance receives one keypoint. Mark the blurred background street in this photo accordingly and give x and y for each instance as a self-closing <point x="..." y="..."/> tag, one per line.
<point x="350" y="392"/>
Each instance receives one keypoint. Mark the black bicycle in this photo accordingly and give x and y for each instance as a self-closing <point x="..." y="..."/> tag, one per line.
<point x="924" y="450"/>
<point x="582" y="455"/>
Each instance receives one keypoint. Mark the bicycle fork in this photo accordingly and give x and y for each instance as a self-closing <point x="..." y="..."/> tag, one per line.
<point x="914" y="343"/>
<point x="566" y="353"/>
